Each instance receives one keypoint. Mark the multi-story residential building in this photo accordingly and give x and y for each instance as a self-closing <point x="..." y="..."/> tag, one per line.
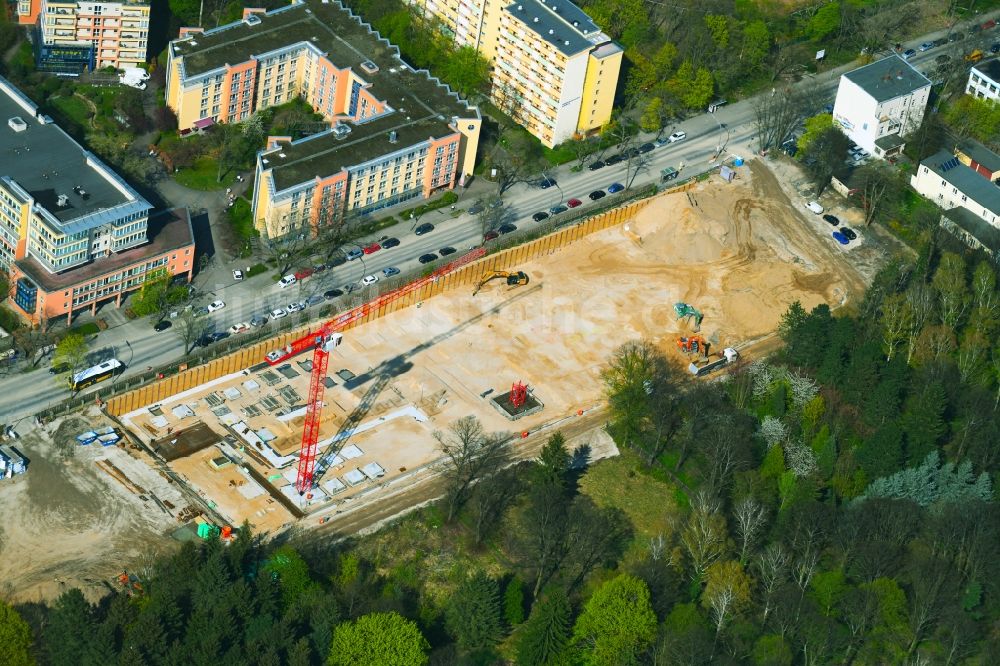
<point x="115" y="33"/>
<point x="554" y="70"/>
<point x="73" y="234"/>
<point x="881" y="102"/>
<point x="984" y="80"/>
<point x="396" y="133"/>
<point x="949" y="183"/>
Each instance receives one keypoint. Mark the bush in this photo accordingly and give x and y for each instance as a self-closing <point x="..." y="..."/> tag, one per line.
<point x="256" y="269"/>
<point x="90" y="328"/>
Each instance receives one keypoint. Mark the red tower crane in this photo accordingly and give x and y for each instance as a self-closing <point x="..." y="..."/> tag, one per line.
<point x="323" y="341"/>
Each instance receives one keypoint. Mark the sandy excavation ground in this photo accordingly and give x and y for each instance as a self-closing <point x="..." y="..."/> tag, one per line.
<point x="739" y="252"/>
<point x="69" y="523"/>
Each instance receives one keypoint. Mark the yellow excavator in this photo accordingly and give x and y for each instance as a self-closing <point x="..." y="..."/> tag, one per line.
<point x="514" y="279"/>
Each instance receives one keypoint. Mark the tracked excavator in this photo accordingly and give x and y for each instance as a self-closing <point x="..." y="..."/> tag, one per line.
<point x="683" y="311"/>
<point x="514" y="279"/>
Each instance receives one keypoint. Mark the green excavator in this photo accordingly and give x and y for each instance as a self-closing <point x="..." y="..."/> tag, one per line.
<point x="683" y="311"/>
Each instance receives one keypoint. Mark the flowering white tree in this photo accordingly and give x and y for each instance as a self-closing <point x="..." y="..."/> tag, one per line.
<point x="803" y="389"/>
<point x="800" y="459"/>
<point x="773" y="431"/>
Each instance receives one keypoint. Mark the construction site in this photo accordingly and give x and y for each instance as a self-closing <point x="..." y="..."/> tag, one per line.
<point x="517" y="339"/>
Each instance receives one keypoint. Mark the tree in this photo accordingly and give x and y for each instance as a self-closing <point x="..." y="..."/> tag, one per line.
<point x="771" y="650"/>
<point x="473" y="613"/>
<point x="544" y="637"/>
<point x="378" y="638"/>
<point x="513" y="602"/>
<point x="756" y="43"/>
<point x="704" y="535"/>
<point x="775" y="117"/>
<point x="16" y="637"/>
<point x="727" y="591"/>
<point x="153" y="296"/>
<point x="30" y="339"/>
<point x="191" y="329"/>
<point x="897" y="316"/>
<point x="491" y="498"/>
<point x="653" y="116"/>
<point x="750" y="517"/>
<point x="71" y="350"/>
<point x="469" y="453"/>
<point x="640" y="386"/>
<point x="814" y="128"/>
<point x="825" y="21"/>
<point x="466" y="71"/>
<point x="931" y="482"/>
<point x="952" y="290"/>
<point x="69" y="629"/>
<point x="877" y="185"/>
<point x="824" y="156"/>
<point x="617" y="622"/>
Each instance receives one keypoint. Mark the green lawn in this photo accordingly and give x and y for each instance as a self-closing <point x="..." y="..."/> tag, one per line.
<point x="647" y="502"/>
<point x="74" y="110"/>
<point x="202" y="176"/>
<point x="241" y="218"/>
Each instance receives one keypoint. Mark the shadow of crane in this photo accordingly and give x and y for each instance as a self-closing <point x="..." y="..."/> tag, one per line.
<point x="391" y="368"/>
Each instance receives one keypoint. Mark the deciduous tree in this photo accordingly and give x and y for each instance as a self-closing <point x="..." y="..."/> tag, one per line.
<point x="16" y="637"/>
<point x="617" y="623"/>
<point x="727" y="592"/>
<point x="378" y="638"/>
<point x="469" y="454"/>
<point x="71" y="350"/>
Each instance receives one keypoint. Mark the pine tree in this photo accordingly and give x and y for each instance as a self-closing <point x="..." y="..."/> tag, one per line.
<point x="473" y="616"/>
<point x="544" y="637"/>
<point x="69" y="629"/>
<point x="931" y="482"/>
<point x="513" y="602"/>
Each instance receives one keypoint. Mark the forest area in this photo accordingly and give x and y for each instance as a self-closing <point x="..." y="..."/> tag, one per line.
<point x="830" y="504"/>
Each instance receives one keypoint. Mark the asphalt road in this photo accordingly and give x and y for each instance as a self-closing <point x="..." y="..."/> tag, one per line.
<point x="731" y="128"/>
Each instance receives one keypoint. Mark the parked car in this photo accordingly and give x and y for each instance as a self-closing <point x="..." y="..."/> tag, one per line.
<point x="840" y="238"/>
<point x="237" y="274"/>
<point x="506" y="228"/>
<point x="314" y="299"/>
<point x="677" y="136"/>
<point x="594" y="166"/>
<point x="390" y="271"/>
<point x="647" y="147"/>
<point x="662" y="141"/>
<point x="369" y="280"/>
<point x="218" y="335"/>
<point x="596" y="194"/>
<point x="60" y="368"/>
<point x="354" y="253"/>
<point x="927" y="46"/>
<point x="424" y="228"/>
<point x="336" y="260"/>
<point x="372" y="248"/>
<point x="555" y="210"/>
<point x="547" y="182"/>
<point x="815" y="207"/>
<point x="831" y="219"/>
<point x="995" y="48"/>
<point x="539" y="216"/>
<point x="427" y="258"/>
<point x="215" y="306"/>
<point x="389" y="242"/>
<point x="239" y="328"/>
<point x="303" y="273"/>
<point x="258" y="320"/>
<point x="615" y="187"/>
<point x="573" y="203"/>
<point x="331" y="294"/>
<point x="849" y="233"/>
<point x="162" y="325"/>
<point x="296" y="306"/>
<point x="319" y="268"/>
<point x="277" y="313"/>
<point x="286" y="281"/>
<point x="477" y="208"/>
<point x="614" y="159"/>
<point x="445" y="251"/>
<point x="492" y="234"/>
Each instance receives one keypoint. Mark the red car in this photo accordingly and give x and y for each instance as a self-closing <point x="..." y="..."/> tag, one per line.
<point x="491" y="235"/>
<point x="573" y="203"/>
<point x="303" y="273"/>
<point x="373" y="248"/>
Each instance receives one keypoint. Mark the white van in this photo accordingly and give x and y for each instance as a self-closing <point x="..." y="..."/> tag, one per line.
<point x="815" y="207"/>
<point x="286" y="281"/>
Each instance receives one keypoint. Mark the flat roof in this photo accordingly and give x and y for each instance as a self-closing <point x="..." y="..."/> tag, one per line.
<point x="46" y="162"/>
<point x="168" y="230"/>
<point x="322" y="155"/>
<point x="980" y="153"/>
<point x="560" y="23"/>
<point x="989" y="68"/>
<point x="334" y="30"/>
<point x="965" y="180"/>
<point x="888" y="78"/>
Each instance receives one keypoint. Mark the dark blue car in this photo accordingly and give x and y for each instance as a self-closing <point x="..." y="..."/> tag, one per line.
<point x="840" y="238"/>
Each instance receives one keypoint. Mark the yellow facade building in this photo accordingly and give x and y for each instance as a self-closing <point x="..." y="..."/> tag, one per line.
<point x="118" y="32"/>
<point x="554" y="70"/>
<point x="396" y="133"/>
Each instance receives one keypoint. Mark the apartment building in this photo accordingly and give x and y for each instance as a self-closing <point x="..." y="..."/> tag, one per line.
<point x="949" y="183"/>
<point x="115" y="33"/>
<point x="984" y="80"/>
<point x="73" y="234"/>
<point x="554" y="70"/>
<point x="396" y="133"/>
<point x="881" y="102"/>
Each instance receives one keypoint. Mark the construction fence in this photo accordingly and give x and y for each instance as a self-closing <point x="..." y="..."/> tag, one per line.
<point x="499" y="258"/>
